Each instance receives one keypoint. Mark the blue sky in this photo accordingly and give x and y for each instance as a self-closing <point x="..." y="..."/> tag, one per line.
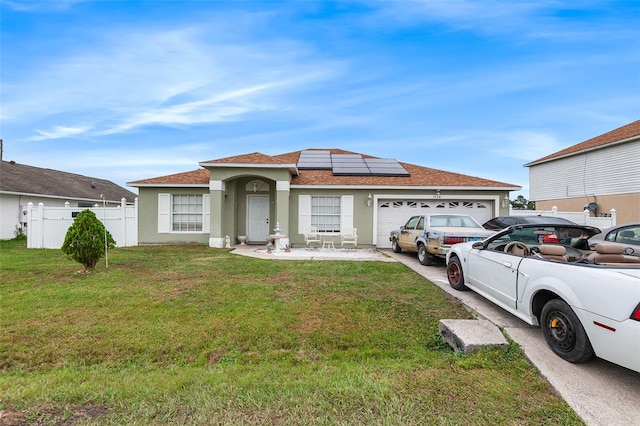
<point x="128" y="90"/>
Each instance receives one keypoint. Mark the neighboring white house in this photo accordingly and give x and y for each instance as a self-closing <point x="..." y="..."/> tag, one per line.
<point x="330" y="189"/>
<point x="21" y="184"/>
<point x="599" y="174"/>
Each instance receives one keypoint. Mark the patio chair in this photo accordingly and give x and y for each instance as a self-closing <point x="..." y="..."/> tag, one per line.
<point x="311" y="236"/>
<point x="349" y="236"/>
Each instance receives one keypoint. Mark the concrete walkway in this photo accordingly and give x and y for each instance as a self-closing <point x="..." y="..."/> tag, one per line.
<point x="600" y="392"/>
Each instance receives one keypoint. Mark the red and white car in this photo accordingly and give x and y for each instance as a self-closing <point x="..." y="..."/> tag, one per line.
<point x="587" y="302"/>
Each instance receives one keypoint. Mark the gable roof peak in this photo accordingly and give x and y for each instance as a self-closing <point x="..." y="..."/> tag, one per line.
<point x="252" y="158"/>
<point x="622" y="134"/>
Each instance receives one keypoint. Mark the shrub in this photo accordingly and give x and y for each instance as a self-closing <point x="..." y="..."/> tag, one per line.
<point x="84" y="241"/>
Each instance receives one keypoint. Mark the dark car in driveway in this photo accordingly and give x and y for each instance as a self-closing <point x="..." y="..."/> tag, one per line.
<point x="502" y="222"/>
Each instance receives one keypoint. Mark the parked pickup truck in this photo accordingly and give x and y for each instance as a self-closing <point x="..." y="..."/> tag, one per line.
<point x="431" y="236"/>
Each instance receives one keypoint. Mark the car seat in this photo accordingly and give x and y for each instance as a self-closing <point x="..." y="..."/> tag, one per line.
<point x="553" y="252"/>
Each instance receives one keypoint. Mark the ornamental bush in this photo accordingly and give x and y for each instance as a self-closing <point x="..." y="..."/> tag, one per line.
<point x="84" y="241"/>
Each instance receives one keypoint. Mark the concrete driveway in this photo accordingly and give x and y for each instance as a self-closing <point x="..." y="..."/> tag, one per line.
<point x="600" y="392"/>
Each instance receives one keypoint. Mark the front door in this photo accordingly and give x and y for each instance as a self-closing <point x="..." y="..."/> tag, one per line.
<point x="257" y="218"/>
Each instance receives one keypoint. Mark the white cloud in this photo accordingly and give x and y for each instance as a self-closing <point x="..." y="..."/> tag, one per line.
<point x="37" y="6"/>
<point x="159" y="77"/>
<point x="59" y="132"/>
<point x="521" y="19"/>
<point x="526" y="145"/>
<point x="202" y="111"/>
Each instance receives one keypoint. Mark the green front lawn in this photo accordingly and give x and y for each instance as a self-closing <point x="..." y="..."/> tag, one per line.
<point x="194" y="335"/>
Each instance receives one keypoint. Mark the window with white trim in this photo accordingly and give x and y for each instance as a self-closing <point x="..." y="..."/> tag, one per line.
<point x="325" y="213"/>
<point x="186" y="213"/>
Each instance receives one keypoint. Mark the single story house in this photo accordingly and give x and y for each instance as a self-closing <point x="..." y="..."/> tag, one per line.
<point x="332" y="189"/>
<point x="598" y="174"/>
<point x="21" y="184"/>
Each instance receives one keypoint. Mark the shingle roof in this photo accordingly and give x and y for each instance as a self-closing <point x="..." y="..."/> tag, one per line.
<point x="419" y="176"/>
<point x="253" y="158"/>
<point x="194" y="177"/>
<point x="23" y="179"/>
<point x="623" y="133"/>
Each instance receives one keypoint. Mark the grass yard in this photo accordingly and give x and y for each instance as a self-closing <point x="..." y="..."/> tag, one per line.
<point x="194" y="335"/>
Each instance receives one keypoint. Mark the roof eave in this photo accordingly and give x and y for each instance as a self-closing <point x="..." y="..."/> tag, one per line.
<point x="165" y="185"/>
<point x="583" y="151"/>
<point x="292" y="167"/>
<point x="408" y="187"/>
<point x="59" y="197"/>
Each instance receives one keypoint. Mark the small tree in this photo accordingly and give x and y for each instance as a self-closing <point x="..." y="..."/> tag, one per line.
<point x="85" y="240"/>
<point x="522" y="203"/>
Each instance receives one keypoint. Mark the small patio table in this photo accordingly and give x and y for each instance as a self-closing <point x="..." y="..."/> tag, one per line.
<point x="328" y="242"/>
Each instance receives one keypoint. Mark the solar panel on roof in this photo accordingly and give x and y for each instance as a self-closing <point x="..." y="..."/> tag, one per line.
<point x="349" y="164"/>
<point x="385" y="167"/>
<point x="315" y="160"/>
<point x="351" y="171"/>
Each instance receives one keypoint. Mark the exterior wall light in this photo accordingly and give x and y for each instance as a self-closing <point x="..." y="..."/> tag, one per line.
<point x="369" y="200"/>
<point x="505" y="202"/>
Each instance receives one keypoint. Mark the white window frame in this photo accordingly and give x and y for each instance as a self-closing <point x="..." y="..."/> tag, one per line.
<point x="305" y="213"/>
<point x="167" y="214"/>
<point x="325" y="213"/>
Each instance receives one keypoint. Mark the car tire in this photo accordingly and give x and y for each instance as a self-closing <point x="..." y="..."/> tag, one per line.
<point x="455" y="275"/>
<point x="394" y="246"/>
<point x="424" y="257"/>
<point x="564" y="333"/>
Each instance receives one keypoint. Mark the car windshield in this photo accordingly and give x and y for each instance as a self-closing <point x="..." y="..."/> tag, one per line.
<point x="452" y="221"/>
<point x="536" y="235"/>
<point x="546" y="219"/>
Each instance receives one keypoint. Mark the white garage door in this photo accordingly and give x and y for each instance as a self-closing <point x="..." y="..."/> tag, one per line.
<point x="394" y="213"/>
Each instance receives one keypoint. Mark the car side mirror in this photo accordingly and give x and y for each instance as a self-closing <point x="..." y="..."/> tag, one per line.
<point x="479" y="245"/>
<point x="402" y="227"/>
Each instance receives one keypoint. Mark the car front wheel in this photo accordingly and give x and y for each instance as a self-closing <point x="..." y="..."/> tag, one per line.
<point x="455" y="274"/>
<point x="564" y="333"/>
<point x="424" y="257"/>
<point x="395" y="247"/>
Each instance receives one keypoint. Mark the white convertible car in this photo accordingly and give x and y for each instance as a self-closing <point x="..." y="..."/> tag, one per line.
<point x="586" y="301"/>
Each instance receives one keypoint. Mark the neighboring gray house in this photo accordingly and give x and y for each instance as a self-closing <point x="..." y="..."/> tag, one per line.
<point x="21" y="184"/>
<point x="600" y="174"/>
<point x="331" y="189"/>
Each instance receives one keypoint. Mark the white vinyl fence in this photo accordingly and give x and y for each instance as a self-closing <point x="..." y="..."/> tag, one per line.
<point x="47" y="226"/>
<point x="581" y="218"/>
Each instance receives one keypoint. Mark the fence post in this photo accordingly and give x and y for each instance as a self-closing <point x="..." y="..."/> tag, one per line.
<point x="135" y="221"/>
<point x="614" y="217"/>
<point x="31" y="232"/>
<point x="123" y="211"/>
<point x="40" y="225"/>
<point x="554" y="211"/>
<point x="587" y="215"/>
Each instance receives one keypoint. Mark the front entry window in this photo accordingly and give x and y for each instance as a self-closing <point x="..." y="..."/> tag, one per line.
<point x="325" y="213"/>
<point x="187" y="213"/>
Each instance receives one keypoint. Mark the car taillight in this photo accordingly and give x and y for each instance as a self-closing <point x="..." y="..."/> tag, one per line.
<point x="635" y="315"/>
<point x="453" y="240"/>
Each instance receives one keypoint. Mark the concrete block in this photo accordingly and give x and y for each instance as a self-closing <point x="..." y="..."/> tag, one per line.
<point x="470" y="336"/>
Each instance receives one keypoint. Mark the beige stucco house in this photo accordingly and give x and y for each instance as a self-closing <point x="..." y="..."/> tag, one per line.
<point x="331" y="189"/>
